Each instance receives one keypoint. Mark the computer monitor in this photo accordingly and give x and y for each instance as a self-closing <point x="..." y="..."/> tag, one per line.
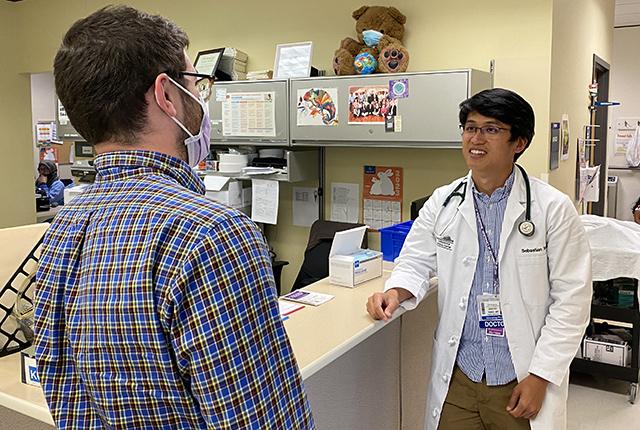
<point x="83" y="150"/>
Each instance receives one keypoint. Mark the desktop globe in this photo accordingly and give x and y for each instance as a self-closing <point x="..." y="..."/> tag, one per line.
<point x="365" y="63"/>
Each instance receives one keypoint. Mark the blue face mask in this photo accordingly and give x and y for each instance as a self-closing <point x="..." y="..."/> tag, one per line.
<point x="197" y="145"/>
<point x="371" y="37"/>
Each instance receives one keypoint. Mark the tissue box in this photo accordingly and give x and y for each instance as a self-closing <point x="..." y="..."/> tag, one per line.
<point x="29" y="368"/>
<point x="607" y="352"/>
<point x="353" y="269"/>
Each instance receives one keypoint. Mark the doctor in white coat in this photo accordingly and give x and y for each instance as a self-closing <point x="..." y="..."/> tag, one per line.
<point x="514" y="280"/>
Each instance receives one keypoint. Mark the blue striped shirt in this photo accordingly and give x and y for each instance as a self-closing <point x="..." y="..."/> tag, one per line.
<point x="479" y="354"/>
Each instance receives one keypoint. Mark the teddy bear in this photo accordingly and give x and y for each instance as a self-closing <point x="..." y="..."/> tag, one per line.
<point x="380" y="30"/>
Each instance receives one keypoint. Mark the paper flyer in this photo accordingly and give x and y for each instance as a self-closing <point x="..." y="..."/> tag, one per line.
<point x="249" y="114"/>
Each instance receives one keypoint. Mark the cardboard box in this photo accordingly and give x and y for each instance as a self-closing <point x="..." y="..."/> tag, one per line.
<point x="349" y="265"/>
<point x="246" y="197"/>
<point x="224" y="190"/>
<point x="618" y="354"/>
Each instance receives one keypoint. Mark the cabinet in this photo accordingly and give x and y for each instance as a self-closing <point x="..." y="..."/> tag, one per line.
<point x="429" y="112"/>
<point x="302" y="165"/>
<point x="248" y="107"/>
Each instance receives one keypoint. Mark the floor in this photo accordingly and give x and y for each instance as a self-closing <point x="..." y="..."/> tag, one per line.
<point x="601" y="403"/>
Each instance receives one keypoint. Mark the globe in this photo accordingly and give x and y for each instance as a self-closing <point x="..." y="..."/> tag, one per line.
<point x="365" y="63"/>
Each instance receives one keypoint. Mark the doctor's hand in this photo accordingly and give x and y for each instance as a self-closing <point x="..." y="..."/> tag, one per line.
<point x="382" y="305"/>
<point x="526" y="398"/>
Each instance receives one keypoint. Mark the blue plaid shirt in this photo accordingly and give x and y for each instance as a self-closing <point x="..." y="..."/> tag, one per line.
<point x="481" y="355"/>
<point x="156" y="308"/>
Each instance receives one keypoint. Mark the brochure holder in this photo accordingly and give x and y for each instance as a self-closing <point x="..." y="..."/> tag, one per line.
<point x="16" y="305"/>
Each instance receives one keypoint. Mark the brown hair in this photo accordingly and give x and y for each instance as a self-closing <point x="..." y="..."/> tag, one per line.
<point x="106" y="64"/>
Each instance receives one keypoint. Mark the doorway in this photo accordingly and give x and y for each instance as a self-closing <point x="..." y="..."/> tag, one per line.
<point x="597" y="153"/>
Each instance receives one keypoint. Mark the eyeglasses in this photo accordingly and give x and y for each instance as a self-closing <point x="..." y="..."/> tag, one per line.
<point x="203" y="84"/>
<point x="485" y="130"/>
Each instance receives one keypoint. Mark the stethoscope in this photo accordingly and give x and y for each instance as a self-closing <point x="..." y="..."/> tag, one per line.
<point x="526" y="227"/>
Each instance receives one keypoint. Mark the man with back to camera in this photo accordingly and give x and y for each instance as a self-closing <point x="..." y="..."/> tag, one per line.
<point x="514" y="288"/>
<point x="155" y="307"/>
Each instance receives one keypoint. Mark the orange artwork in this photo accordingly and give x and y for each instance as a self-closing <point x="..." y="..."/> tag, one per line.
<point x="382" y="196"/>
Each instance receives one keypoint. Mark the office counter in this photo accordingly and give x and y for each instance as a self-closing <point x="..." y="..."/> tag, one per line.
<point x="360" y="373"/>
<point x="352" y="366"/>
<point x="15" y="245"/>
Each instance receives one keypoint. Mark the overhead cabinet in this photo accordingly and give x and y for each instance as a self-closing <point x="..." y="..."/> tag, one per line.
<point x="253" y="112"/>
<point x="387" y="110"/>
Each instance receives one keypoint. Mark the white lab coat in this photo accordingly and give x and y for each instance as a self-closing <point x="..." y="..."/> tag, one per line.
<point x="545" y="286"/>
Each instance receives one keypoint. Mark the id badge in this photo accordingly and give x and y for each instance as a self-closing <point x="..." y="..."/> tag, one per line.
<point x="490" y="314"/>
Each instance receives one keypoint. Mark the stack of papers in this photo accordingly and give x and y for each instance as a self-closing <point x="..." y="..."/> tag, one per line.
<point x="287" y="308"/>
<point x="250" y="171"/>
<point x="260" y="74"/>
<point x="307" y="297"/>
<point x="234" y="63"/>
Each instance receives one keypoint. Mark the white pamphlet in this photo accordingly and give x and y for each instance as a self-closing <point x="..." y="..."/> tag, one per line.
<point x="307" y="297"/>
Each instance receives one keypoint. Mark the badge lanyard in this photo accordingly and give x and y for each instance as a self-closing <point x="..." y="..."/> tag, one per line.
<point x="489" y="312"/>
<point x="494" y="257"/>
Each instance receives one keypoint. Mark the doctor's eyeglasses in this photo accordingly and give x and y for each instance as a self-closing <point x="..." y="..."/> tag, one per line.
<point x="203" y="84"/>
<point x="485" y="130"/>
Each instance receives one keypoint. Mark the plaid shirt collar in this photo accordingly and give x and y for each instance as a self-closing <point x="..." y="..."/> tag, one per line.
<point x="122" y="165"/>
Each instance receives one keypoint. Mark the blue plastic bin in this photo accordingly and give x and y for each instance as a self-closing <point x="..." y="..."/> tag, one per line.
<point x="392" y="238"/>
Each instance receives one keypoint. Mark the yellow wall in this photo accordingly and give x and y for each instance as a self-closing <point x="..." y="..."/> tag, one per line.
<point x="16" y="153"/>
<point x="455" y="34"/>
<point x="440" y="35"/>
<point x="581" y="28"/>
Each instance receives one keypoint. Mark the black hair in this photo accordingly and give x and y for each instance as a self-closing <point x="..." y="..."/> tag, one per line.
<point x="506" y="106"/>
<point x="637" y="204"/>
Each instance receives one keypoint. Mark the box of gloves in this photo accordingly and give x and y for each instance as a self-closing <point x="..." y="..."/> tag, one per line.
<point x="349" y="265"/>
<point x="610" y="351"/>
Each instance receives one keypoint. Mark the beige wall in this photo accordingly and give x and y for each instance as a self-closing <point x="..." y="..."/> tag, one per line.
<point x="625" y="85"/>
<point x="625" y="88"/>
<point x="15" y="122"/>
<point x="440" y="35"/>
<point x="581" y="28"/>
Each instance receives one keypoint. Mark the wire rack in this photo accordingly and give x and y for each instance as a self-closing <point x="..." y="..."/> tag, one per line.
<point x="16" y="305"/>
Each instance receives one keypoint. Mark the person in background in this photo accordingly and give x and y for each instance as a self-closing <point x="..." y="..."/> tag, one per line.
<point x="635" y="210"/>
<point x="155" y="307"/>
<point x="48" y="183"/>
<point x="514" y="280"/>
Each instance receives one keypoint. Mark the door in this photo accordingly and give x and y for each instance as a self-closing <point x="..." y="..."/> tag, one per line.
<point x="597" y="153"/>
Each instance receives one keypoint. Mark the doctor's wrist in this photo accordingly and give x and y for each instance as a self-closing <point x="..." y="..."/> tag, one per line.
<point x="539" y="379"/>
<point x="400" y="294"/>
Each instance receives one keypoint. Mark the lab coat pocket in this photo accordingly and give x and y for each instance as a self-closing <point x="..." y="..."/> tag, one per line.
<point x="534" y="278"/>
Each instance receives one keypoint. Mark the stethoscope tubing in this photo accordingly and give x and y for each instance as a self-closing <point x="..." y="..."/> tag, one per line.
<point x="526" y="227"/>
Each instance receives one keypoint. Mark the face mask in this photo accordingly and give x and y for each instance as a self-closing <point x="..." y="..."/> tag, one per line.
<point x="197" y="145"/>
<point x="371" y="37"/>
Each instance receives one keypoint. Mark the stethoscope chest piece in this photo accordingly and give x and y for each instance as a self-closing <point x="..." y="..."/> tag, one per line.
<point x="527" y="228"/>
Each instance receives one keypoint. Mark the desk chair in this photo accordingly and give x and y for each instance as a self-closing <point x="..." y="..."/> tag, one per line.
<point x="416" y="205"/>
<point x="315" y="265"/>
<point x="277" y="266"/>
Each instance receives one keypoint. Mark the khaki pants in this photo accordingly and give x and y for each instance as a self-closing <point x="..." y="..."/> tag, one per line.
<point x="474" y="405"/>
